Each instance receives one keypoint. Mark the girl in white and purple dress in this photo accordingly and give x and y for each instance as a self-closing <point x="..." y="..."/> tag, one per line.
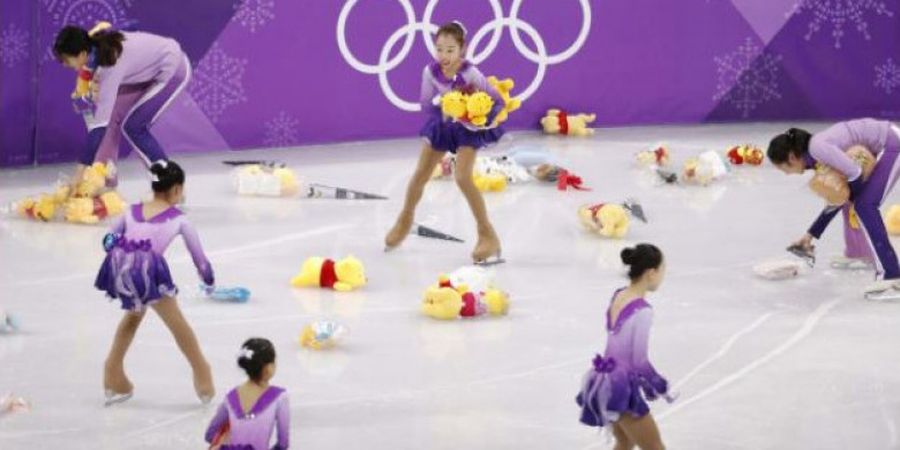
<point x="451" y="72"/>
<point x="135" y="272"/>
<point x="250" y="412"/>
<point x="136" y="76"/>
<point x="610" y="395"/>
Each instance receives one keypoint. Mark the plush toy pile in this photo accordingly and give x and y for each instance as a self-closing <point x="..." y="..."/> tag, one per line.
<point x="90" y="203"/>
<point x="343" y="275"/>
<point x="474" y="109"/>
<point x="467" y="292"/>
<point x="745" y="154"/>
<point x="265" y="181"/>
<point x="832" y="185"/>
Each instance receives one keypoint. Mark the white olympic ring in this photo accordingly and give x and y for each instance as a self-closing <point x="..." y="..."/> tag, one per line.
<point x="495" y="27"/>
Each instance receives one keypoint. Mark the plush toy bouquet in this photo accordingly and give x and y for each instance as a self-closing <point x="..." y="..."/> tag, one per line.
<point x="477" y="109"/>
<point x="466" y="292"/>
<point x="265" y="180"/>
<point x="90" y="202"/>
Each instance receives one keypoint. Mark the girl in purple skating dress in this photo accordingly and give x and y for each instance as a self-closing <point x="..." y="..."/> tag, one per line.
<point x="250" y="412"/>
<point x="136" y="273"/>
<point x="611" y="393"/>
<point x="451" y="72"/>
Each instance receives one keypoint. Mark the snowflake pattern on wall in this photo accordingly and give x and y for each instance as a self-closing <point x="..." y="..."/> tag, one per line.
<point x="254" y="14"/>
<point x="840" y="13"/>
<point x="217" y="83"/>
<point x="887" y="76"/>
<point x="748" y="77"/>
<point x="281" y="131"/>
<point x="13" y="45"/>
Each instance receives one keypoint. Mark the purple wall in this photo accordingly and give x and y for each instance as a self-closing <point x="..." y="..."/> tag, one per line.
<point x="273" y="72"/>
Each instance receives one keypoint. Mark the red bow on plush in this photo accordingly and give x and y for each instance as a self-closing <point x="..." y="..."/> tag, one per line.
<point x="567" y="180"/>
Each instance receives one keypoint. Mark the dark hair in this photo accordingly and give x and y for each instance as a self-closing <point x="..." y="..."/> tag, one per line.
<point x="794" y="141"/>
<point x="261" y="353"/>
<point x="72" y="40"/>
<point x="641" y="258"/>
<point x="166" y="175"/>
<point x="455" y="30"/>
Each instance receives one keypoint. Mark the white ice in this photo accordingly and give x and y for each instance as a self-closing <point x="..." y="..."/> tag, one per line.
<point x="798" y="364"/>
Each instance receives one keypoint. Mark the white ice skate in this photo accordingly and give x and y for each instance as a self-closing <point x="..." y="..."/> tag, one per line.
<point x="114" y="397"/>
<point x="841" y="262"/>
<point x="883" y="290"/>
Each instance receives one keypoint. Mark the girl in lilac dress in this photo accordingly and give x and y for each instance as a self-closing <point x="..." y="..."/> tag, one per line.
<point x="250" y="412"/>
<point x="451" y="72"/>
<point x="796" y="151"/>
<point x="136" y="76"/>
<point x="136" y="273"/>
<point x="611" y="390"/>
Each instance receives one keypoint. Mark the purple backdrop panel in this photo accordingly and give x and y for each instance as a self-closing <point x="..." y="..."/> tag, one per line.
<point x="270" y="73"/>
<point x="17" y="87"/>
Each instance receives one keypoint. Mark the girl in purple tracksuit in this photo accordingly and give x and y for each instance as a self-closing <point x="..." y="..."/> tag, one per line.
<point x="123" y="62"/>
<point x="796" y="151"/>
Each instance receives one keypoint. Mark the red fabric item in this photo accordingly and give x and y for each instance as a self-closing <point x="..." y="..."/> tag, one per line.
<point x="567" y="180"/>
<point x="327" y="277"/>
<point x="221" y="438"/>
<point x="734" y="156"/>
<point x="660" y="154"/>
<point x="563" y="122"/>
<point x="85" y="74"/>
<point x="596" y="209"/>
<point x="469" y="305"/>
<point x="100" y="208"/>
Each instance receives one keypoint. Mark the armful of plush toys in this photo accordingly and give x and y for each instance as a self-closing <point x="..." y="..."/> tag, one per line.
<point x="832" y="185"/>
<point x="90" y="202"/>
<point x="477" y="110"/>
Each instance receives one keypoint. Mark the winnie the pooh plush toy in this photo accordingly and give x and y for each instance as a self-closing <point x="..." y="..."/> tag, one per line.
<point x="892" y="220"/>
<point x="343" y="275"/>
<point x="704" y="169"/>
<point x="558" y="121"/>
<point x="446" y="301"/>
<point x="510" y="104"/>
<point x="606" y="219"/>
<point x="745" y="154"/>
<point x="832" y="185"/>
<point x="43" y="208"/>
<point x="91" y="210"/>
<point x="658" y="156"/>
<point x="489" y="182"/>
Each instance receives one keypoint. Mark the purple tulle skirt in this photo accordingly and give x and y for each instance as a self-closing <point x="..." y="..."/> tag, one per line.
<point x="607" y="393"/>
<point x="448" y="136"/>
<point x="135" y="275"/>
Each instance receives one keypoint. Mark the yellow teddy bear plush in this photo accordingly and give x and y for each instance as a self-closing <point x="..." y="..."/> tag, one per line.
<point x="343" y="275"/>
<point x="478" y="106"/>
<point x="560" y="122"/>
<point x="43" y="208"/>
<point x="93" y="180"/>
<point x="489" y="182"/>
<point x="608" y="220"/>
<point x="453" y="104"/>
<point x="510" y="104"/>
<point x="892" y="220"/>
<point x="442" y="302"/>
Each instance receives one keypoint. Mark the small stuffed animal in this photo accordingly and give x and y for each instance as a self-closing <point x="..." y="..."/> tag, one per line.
<point x="510" y="104"/>
<point x="447" y="300"/>
<point x="832" y="185"/>
<point x="489" y="182"/>
<point x="606" y="219"/>
<point x="478" y="106"/>
<point x="892" y="220"/>
<point x="43" y="208"/>
<point x="343" y="275"/>
<point x="260" y="180"/>
<point x="91" y="210"/>
<point x="658" y="156"/>
<point x="558" y="121"/>
<point x="745" y="154"/>
<point x="322" y="334"/>
<point x="704" y="169"/>
<point x="453" y="104"/>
